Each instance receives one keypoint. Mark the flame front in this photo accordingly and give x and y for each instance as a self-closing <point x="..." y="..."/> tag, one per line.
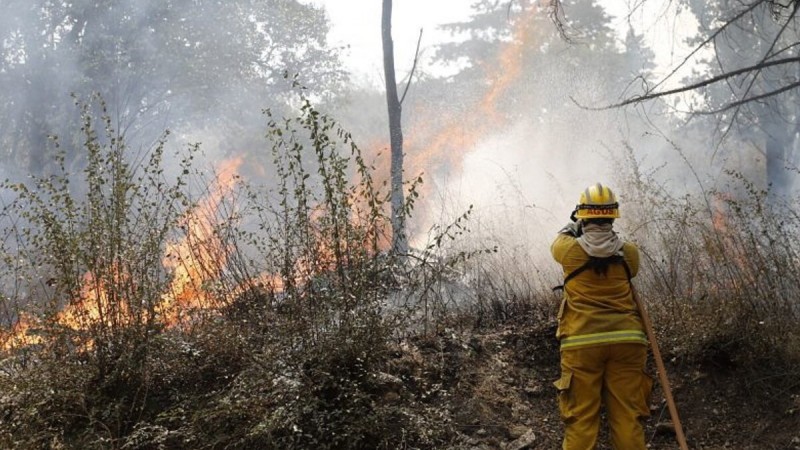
<point x="194" y="261"/>
<point x="200" y="257"/>
<point x="462" y="133"/>
<point x="198" y="260"/>
<point x="431" y="145"/>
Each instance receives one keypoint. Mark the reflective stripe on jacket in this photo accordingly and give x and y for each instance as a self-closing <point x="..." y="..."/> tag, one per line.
<point x="596" y="309"/>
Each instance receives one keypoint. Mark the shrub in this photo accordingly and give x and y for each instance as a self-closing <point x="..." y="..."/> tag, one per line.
<point x="717" y="270"/>
<point x="85" y="374"/>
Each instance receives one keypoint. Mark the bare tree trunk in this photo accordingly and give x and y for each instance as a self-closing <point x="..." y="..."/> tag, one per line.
<point x="399" y="238"/>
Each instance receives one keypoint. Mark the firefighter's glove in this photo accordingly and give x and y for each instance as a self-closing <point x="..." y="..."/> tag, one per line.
<point x="572" y="229"/>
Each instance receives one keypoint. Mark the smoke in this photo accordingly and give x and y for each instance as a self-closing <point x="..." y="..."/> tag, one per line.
<point x="523" y="178"/>
<point x="204" y="70"/>
<point x="519" y="137"/>
<point x="508" y="134"/>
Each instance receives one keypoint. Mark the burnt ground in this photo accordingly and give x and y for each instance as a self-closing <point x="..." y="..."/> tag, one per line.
<point x="493" y="388"/>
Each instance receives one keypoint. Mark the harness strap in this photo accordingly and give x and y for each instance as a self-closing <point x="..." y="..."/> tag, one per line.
<point x="587" y="264"/>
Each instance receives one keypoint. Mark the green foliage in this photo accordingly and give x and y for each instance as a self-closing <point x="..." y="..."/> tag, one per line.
<point x="99" y="246"/>
<point x="288" y="352"/>
<point x="303" y="343"/>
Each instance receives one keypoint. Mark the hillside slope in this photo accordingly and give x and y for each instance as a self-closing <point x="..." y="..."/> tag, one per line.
<point x="494" y="387"/>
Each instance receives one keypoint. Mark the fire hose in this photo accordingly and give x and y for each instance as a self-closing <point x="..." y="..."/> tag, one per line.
<point x="662" y="373"/>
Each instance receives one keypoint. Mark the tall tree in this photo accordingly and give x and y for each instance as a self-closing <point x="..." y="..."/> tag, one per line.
<point x="186" y="64"/>
<point x="399" y="238"/>
<point x="759" y="105"/>
<point x="751" y="82"/>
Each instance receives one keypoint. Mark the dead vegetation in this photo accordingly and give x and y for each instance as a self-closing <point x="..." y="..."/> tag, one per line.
<point x="311" y="336"/>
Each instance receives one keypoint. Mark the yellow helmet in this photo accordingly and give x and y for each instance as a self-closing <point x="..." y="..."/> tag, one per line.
<point x="597" y="202"/>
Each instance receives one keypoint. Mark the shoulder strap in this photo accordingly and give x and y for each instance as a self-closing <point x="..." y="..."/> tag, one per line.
<point x="618" y="258"/>
<point x="573" y="274"/>
<point x="625" y="266"/>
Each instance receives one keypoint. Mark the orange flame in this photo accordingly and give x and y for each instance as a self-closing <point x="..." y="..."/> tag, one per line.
<point x="20" y="334"/>
<point x="198" y="259"/>
<point x="201" y="255"/>
<point x="95" y="304"/>
<point x="194" y="261"/>
<point x="429" y="149"/>
<point x="463" y="133"/>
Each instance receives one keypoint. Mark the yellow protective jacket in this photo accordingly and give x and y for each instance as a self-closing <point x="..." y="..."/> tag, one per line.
<point x="597" y="309"/>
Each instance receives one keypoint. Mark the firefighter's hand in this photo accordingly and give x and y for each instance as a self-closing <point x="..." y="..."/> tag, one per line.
<point x="573" y="229"/>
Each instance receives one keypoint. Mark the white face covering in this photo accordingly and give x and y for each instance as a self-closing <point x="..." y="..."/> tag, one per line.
<point x="600" y="240"/>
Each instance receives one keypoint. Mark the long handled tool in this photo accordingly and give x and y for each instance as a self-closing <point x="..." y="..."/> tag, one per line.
<point x="662" y="373"/>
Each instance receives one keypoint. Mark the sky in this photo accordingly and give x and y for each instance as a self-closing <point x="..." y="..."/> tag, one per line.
<point x="356" y="24"/>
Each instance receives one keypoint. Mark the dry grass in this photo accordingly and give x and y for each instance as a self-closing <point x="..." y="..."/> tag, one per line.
<point x="342" y="345"/>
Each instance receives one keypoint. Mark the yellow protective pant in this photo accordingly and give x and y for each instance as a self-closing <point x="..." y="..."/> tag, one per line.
<point x="613" y="374"/>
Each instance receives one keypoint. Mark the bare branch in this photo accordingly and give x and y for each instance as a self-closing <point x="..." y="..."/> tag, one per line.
<point x="413" y="67"/>
<point x="754" y="98"/>
<point x="737" y="105"/>
<point x="767" y="55"/>
<point x="713" y="36"/>
<point x="691" y="87"/>
<point x="558" y="18"/>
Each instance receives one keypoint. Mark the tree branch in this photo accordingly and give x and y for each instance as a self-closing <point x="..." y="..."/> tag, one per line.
<point x="653" y="95"/>
<point x="707" y="41"/>
<point x="755" y="98"/>
<point x="558" y="18"/>
<point x="760" y="66"/>
<point x="413" y="67"/>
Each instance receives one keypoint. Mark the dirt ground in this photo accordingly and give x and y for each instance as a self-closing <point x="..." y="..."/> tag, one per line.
<point x="495" y="389"/>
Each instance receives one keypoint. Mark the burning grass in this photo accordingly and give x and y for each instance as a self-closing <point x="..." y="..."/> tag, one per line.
<point x="276" y="319"/>
<point x="720" y="272"/>
<point x="249" y="318"/>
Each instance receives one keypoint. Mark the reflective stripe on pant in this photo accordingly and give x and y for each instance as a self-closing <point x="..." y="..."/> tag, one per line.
<point x="613" y="374"/>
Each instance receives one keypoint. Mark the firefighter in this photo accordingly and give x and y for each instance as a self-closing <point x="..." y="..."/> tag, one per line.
<point x="601" y="334"/>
